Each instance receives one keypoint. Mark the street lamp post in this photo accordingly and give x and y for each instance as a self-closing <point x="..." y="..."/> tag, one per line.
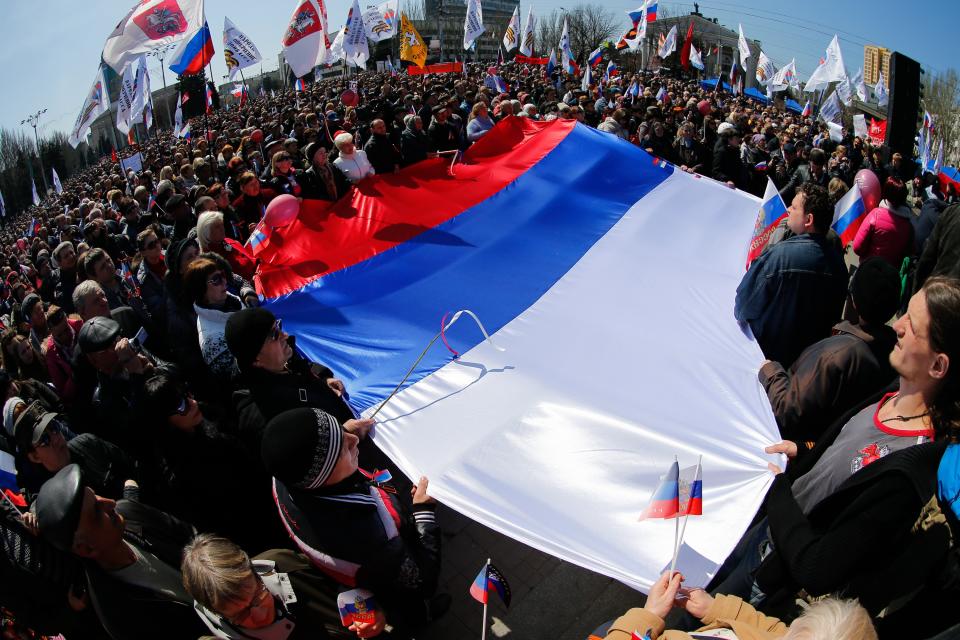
<point x="160" y="54"/>
<point x="33" y="121"/>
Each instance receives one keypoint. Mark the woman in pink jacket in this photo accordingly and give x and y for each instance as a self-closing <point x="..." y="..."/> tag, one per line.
<point x="887" y="231"/>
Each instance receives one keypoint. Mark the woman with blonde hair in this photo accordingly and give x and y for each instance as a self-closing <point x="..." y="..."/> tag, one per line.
<point x="828" y="619"/>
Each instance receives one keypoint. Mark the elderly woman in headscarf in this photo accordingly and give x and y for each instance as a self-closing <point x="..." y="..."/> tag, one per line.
<point x="413" y="141"/>
<point x="352" y="162"/>
<point x="212" y="236"/>
<point x="322" y="180"/>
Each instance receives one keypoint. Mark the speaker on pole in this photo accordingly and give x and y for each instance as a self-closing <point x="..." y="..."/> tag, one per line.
<point x="904" y="105"/>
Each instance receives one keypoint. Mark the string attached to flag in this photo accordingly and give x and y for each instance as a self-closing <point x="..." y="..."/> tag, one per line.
<point x="440" y="334"/>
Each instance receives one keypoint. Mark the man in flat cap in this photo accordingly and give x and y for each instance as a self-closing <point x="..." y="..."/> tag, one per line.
<point x="131" y="553"/>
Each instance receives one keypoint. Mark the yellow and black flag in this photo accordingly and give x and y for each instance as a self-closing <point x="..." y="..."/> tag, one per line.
<point x="412" y="47"/>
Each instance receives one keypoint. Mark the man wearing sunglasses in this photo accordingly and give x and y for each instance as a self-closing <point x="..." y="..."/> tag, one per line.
<point x="39" y="437"/>
<point x="274" y="378"/>
<point x="131" y="553"/>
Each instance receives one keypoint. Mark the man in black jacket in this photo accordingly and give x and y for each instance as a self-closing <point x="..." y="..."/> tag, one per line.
<point x="941" y="254"/>
<point x="132" y="557"/>
<point x="727" y="166"/>
<point x="815" y="171"/>
<point x="381" y="152"/>
<point x="834" y="374"/>
<point x="844" y="516"/>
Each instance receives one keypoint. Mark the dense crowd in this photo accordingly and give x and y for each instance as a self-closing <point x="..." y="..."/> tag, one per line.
<point x="186" y="472"/>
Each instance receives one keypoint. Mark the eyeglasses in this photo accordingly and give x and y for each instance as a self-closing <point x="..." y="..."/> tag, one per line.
<point x="217" y="279"/>
<point x="259" y="599"/>
<point x="277" y="330"/>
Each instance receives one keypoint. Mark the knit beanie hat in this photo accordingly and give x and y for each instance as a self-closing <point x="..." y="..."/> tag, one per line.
<point x="245" y="333"/>
<point x="875" y="289"/>
<point x="175" y="250"/>
<point x="300" y="447"/>
<point x="8" y="409"/>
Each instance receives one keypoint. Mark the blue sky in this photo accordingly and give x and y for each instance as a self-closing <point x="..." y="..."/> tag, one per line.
<point x="49" y="51"/>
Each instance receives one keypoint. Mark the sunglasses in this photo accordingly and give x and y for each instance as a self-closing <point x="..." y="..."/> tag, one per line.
<point x="277" y="330"/>
<point x="217" y="279"/>
<point x="183" y="407"/>
<point x="52" y="429"/>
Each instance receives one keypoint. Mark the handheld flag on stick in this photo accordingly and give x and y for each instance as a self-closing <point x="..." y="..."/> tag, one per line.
<point x="356" y="605"/>
<point x="665" y="501"/>
<point x="489" y="579"/>
<point x="691" y="502"/>
<point x="772" y="211"/>
<point x="848" y="214"/>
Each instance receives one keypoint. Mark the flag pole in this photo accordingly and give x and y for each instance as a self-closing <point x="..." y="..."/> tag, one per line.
<point x="486" y="572"/>
<point x="676" y="532"/>
<point x="683" y="530"/>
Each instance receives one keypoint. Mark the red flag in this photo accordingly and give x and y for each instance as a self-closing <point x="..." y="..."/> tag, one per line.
<point x="130" y="139"/>
<point x="685" y="51"/>
<point x="113" y="154"/>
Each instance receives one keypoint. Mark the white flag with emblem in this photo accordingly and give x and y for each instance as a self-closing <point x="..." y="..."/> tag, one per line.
<point x="526" y="41"/>
<point x="355" y="48"/>
<point x="512" y="34"/>
<point x="97" y="102"/>
<point x="472" y="23"/>
<point x="669" y="44"/>
<point x="881" y="90"/>
<point x="845" y="91"/>
<point x="765" y="69"/>
<point x="785" y="77"/>
<point x="141" y="97"/>
<point x="150" y="25"/>
<point x="128" y="92"/>
<point x="238" y="48"/>
<point x="831" y="70"/>
<point x="743" y="46"/>
<point x="860" y="86"/>
<point x="381" y="21"/>
<point x="304" y="44"/>
<point x="56" y="181"/>
<point x="831" y="111"/>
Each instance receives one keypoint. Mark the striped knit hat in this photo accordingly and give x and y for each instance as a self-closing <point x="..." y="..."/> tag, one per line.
<point x="301" y="447"/>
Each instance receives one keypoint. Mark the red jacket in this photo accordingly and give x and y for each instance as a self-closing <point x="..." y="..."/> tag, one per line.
<point x="886" y="232"/>
<point x="58" y="364"/>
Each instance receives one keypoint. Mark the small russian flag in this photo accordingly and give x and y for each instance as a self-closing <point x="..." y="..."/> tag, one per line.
<point x="665" y="501"/>
<point x="662" y="94"/>
<point x="848" y="214"/>
<point x="612" y="70"/>
<point x="256" y="239"/>
<point x="596" y="57"/>
<point x="194" y="54"/>
<point x="772" y="211"/>
<point x="489" y="579"/>
<point x="383" y="476"/>
<point x="807" y="110"/>
<point x="8" y="480"/>
<point x="300" y="85"/>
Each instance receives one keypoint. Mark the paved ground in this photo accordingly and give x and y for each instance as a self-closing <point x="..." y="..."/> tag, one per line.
<point x="552" y="599"/>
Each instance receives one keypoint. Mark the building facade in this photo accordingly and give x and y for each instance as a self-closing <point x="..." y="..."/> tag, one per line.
<point x="875" y="60"/>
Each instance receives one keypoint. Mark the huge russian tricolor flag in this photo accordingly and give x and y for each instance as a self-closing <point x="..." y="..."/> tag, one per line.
<point x="609" y="282"/>
<point x="848" y="214"/>
<point x="194" y="54"/>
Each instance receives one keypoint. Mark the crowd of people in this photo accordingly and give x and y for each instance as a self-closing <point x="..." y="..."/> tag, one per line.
<point x="185" y="472"/>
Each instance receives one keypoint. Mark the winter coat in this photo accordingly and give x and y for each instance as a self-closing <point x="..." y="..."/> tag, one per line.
<point x="211" y="323"/>
<point x="887" y="232"/>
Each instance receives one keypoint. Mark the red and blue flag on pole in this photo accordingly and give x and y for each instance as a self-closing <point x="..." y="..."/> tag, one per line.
<point x="665" y="501"/>
<point x="807" y="110"/>
<point x="300" y="85"/>
<point x="772" y="211"/>
<point x="490" y="579"/>
<point x="194" y="54"/>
